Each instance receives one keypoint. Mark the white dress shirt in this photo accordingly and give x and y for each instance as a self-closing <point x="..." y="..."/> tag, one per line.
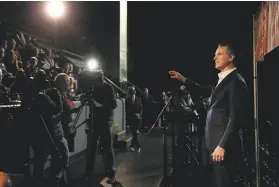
<point x="223" y="75"/>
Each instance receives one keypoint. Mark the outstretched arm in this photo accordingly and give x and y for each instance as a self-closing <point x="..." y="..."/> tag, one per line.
<point x="189" y="83"/>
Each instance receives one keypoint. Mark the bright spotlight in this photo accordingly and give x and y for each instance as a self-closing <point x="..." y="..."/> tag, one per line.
<point x="55" y="8"/>
<point x="92" y="64"/>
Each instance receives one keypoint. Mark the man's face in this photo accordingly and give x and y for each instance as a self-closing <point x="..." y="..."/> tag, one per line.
<point x="33" y="63"/>
<point x="12" y="44"/>
<point x="2" y="52"/>
<point x="5" y="44"/>
<point x="1" y="76"/>
<point x="69" y="83"/>
<point x="146" y="91"/>
<point x="67" y="68"/>
<point x="49" y="53"/>
<point x="222" y="58"/>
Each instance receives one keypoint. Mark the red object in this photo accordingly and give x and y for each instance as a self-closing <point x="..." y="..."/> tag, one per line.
<point x="5" y="180"/>
<point x="133" y="99"/>
<point x="266" y="29"/>
<point x="69" y="102"/>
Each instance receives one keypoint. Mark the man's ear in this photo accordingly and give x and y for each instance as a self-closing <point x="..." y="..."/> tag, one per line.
<point x="231" y="59"/>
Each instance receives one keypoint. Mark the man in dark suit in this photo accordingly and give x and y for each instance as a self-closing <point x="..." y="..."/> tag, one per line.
<point x="225" y="116"/>
<point x="104" y="103"/>
<point x="133" y="114"/>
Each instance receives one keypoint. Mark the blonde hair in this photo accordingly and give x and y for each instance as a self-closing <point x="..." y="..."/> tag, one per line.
<point x="61" y="81"/>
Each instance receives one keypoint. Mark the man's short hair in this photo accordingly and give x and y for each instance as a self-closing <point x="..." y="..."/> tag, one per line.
<point x="230" y="47"/>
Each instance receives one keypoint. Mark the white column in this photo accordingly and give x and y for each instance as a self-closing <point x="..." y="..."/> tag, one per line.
<point x="123" y="42"/>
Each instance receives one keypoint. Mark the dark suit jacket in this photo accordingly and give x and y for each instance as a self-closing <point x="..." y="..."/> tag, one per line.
<point x="104" y="94"/>
<point x="226" y="113"/>
<point x="133" y="108"/>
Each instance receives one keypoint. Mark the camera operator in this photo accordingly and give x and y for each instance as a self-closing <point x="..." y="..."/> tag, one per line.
<point x="185" y="118"/>
<point x="104" y="103"/>
<point x="185" y="115"/>
<point x="46" y="133"/>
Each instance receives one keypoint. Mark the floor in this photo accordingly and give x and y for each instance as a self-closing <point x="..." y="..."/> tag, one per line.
<point x="144" y="169"/>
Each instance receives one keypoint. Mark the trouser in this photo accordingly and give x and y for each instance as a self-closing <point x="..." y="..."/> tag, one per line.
<point x="134" y="125"/>
<point x="3" y="139"/>
<point x="59" y="159"/>
<point x="101" y="133"/>
<point x="227" y="171"/>
<point x="183" y="129"/>
<point x="182" y="154"/>
<point x="148" y="119"/>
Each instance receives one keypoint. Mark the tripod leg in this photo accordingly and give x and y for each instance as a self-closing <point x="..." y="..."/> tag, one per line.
<point x="191" y="143"/>
<point x="56" y="149"/>
<point x="59" y="163"/>
<point x="173" y="141"/>
<point x="165" y="151"/>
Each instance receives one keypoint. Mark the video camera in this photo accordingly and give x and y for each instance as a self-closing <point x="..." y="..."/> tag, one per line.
<point x="88" y="79"/>
<point x="36" y="84"/>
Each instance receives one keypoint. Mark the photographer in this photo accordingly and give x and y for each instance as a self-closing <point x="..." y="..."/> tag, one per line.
<point x="46" y="133"/>
<point x="104" y="102"/>
<point x="57" y="96"/>
<point x="62" y="82"/>
<point x="185" y="114"/>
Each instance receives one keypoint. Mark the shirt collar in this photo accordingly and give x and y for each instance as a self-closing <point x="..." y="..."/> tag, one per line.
<point x="223" y="74"/>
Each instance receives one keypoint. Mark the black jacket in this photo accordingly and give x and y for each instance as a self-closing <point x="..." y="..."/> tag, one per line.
<point x="56" y="97"/>
<point x="104" y="94"/>
<point x="133" y="108"/>
<point x="226" y="112"/>
<point x="44" y="110"/>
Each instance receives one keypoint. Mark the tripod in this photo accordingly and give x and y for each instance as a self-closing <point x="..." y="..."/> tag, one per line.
<point x="160" y="114"/>
<point x="57" y="151"/>
<point x="166" y="178"/>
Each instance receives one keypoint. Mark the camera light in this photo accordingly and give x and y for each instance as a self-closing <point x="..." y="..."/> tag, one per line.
<point x="92" y="64"/>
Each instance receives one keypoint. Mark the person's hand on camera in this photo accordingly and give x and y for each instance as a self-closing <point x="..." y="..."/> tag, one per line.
<point x="75" y="110"/>
<point x="176" y="75"/>
<point x="97" y="104"/>
<point x="137" y="115"/>
<point x="83" y="100"/>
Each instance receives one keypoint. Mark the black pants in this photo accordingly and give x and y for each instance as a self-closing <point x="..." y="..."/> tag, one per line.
<point x="102" y="133"/>
<point x="134" y="123"/>
<point x="183" y="129"/>
<point x="42" y="149"/>
<point x="182" y="154"/>
<point x="148" y="119"/>
<point x="225" y="172"/>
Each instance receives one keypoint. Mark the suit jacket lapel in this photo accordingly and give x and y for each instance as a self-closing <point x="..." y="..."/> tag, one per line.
<point x="219" y="87"/>
<point x="210" y="98"/>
